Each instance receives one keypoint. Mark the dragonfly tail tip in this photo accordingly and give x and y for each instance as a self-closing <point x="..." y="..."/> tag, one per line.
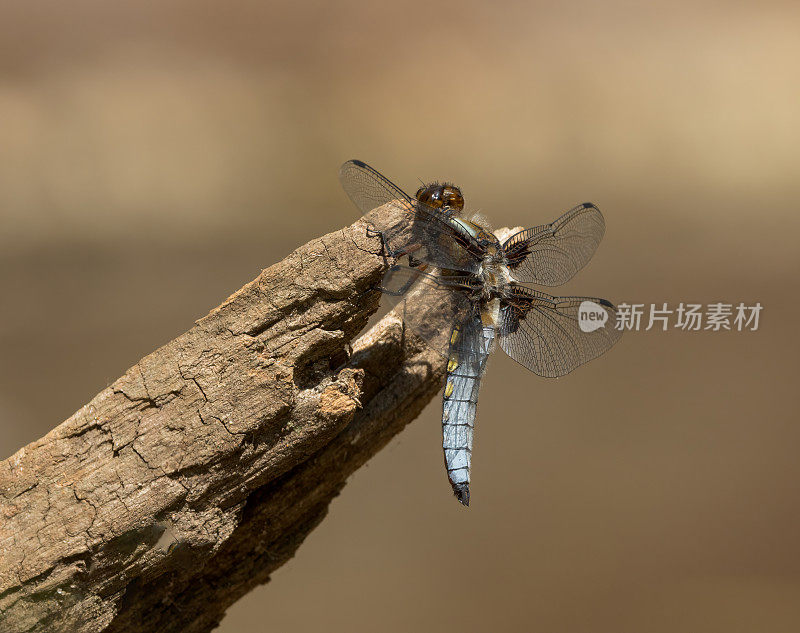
<point x="461" y="492"/>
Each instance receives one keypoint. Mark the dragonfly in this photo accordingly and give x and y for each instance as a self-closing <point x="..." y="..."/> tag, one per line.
<point x="462" y="290"/>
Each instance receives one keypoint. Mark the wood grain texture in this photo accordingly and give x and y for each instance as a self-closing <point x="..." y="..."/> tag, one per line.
<point x="186" y="482"/>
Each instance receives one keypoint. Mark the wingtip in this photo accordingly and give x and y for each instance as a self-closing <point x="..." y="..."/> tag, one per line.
<point x="461" y="491"/>
<point x="347" y="164"/>
<point x="352" y="161"/>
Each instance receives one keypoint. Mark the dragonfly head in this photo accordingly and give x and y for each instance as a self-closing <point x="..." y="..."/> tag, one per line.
<point x="441" y="195"/>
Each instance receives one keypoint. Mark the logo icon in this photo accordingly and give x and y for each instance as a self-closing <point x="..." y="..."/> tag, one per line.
<point x="591" y="316"/>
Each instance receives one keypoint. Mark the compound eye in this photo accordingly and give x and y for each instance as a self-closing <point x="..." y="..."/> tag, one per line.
<point x="431" y="195"/>
<point x="439" y="196"/>
<point x="453" y="198"/>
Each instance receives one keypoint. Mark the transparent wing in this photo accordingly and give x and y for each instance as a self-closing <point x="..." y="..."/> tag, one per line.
<point x="429" y="304"/>
<point x="409" y="227"/>
<point x="551" y="336"/>
<point x="369" y="189"/>
<point x="551" y="254"/>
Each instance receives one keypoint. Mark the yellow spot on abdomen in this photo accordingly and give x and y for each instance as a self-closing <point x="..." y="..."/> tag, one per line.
<point x="452" y="363"/>
<point x="454" y="336"/>
<point x="448" y="390"/>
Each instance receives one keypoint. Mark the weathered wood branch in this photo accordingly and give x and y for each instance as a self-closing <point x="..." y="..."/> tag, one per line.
<point x="186" y="482"/>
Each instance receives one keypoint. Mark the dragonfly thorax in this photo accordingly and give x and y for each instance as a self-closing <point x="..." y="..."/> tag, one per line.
<point x="494" y="275"/>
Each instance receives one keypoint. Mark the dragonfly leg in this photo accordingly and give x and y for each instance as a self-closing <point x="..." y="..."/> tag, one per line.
<point x="407" y="250"/>
<point x="387" y="251"/>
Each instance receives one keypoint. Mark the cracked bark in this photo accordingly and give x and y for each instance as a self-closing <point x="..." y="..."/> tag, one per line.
<point x="186" y="482"/>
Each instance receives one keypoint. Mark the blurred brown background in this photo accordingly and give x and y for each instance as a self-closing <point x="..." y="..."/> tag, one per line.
<point x="155" y="156"/>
